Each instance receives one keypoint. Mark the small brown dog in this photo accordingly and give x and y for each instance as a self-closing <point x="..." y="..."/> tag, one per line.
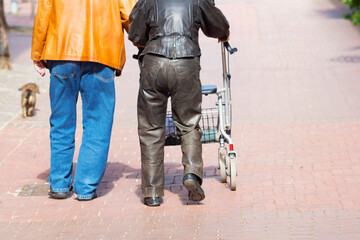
<point x="28" y="98"/>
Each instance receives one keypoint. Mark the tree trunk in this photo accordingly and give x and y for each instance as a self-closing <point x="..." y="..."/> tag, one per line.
<point x="2" y="14"/>
<point x="4" y="46"/>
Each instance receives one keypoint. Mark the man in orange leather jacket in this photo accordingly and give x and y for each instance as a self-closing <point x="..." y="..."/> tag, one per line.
<point x="82" y="44"/>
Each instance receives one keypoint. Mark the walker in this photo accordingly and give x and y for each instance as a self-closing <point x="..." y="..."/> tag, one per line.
<point x="215" y="122"/>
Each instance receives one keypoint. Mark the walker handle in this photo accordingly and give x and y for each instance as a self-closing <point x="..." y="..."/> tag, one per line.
<point x="229" y="48"/>
<point x="137" y="56"/>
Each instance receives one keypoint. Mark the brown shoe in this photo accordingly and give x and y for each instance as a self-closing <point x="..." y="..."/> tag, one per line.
<point x="191" y="182"/>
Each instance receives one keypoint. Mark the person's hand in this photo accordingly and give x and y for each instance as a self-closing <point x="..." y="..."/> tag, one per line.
<point x="39" y="67"/>
<point x="228" y="38"/>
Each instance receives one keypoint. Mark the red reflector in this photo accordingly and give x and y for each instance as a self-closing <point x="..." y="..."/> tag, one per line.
<point x="231" y="147"/>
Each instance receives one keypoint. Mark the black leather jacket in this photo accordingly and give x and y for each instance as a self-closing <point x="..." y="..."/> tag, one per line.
<point x="170" y="28"/>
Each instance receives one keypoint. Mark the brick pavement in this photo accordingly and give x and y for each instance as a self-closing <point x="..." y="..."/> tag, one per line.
<point x="296" y="132"/>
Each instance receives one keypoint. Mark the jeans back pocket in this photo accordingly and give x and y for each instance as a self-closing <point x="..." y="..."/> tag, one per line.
<point x="63" y="70"/>
<point x="104" y="73"/>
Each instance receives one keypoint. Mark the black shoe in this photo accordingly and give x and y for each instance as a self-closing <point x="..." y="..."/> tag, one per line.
<point x="191" y="182"/>
<point x="61" y="195"/>
<point x="152" y="201"/>
<point x="88" y="199"/>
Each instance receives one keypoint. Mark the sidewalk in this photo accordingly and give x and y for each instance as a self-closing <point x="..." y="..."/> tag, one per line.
<point x="19" y="44"/>
<point x="296" y="131"/>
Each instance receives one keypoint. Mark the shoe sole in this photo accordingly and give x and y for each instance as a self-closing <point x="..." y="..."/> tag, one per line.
<point x="87" y="199"/>
<point x="196" y="193"/>
<point x="152" y="205"/>
<point x="57" y="195"/>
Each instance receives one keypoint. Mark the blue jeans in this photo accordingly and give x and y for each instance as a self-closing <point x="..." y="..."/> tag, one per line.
<point x="95" y="82"/>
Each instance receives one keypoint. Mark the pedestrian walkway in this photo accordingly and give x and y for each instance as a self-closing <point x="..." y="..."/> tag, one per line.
<point x="19" y="39"/>
<point x="296" y="128"/>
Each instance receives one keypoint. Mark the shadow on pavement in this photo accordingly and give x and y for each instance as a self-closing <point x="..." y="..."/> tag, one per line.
<point x="20" y="47"/>
<point x="173" y="182"/>
<point x="333" y="13"/>
<point x="338" y="12"/>
<point x="114" y="171"/>
<point x="347" y="59"/>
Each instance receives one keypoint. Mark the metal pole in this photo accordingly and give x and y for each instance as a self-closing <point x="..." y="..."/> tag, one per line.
<point x="221" y="120"/>
<point x="225" y="85"/>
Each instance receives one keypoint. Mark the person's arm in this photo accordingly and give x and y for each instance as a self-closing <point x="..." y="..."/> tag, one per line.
<point x="138" y="31"/>
<point x="41" y="25"/>
<point x="213" y="22"/>
<point x="125" y="9"/>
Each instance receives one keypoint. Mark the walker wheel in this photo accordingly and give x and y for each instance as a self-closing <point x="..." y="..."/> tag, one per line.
<point x="222" y="166"/>
<point x="232" y="172"/>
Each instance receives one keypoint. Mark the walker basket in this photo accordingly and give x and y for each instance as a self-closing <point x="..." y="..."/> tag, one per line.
<point x="209" y="124"/>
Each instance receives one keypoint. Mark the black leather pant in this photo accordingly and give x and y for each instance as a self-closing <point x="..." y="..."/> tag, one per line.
<point x="160" y="78"/>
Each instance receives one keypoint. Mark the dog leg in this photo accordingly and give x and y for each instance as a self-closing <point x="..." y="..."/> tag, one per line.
<point x="31" y="111"/>
<point x="24" y="112"/>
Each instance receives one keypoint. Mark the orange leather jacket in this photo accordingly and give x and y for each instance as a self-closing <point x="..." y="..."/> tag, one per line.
<point x="81" y="30"/>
